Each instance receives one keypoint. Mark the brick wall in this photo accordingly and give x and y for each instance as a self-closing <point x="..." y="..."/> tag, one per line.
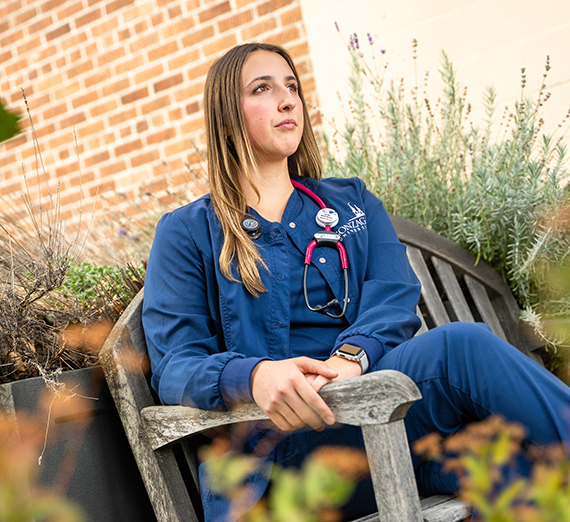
<point x="127" y="76"/>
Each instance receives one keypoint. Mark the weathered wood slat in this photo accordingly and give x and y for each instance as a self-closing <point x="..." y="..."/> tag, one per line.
<point x="374" y="398"/>
<point x="121" y="361"/>
<point x="423" y="327"/>
<point x="484" y="306"/>
<point x="439" y="508"/>
<point x="429" y="291"/>
<point x="451" y="285"/>
<point x="391" y="472"/>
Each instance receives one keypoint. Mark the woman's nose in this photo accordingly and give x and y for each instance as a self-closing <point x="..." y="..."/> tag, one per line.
<point x="288" y="100"/>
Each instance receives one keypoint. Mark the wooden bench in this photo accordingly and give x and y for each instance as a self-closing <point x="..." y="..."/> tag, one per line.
<point x="161" y="436"/>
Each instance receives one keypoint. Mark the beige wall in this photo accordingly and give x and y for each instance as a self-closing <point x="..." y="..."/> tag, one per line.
<point x="488" y="41"/>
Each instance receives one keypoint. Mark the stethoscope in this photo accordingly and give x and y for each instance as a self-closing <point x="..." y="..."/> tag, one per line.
<point x="326" y="218"/>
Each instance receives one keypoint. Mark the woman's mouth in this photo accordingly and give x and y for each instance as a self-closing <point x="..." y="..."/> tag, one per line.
<point x="287" y="124"/>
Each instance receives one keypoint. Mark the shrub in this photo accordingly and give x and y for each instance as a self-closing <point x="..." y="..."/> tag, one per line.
<point x="491" y="190"/>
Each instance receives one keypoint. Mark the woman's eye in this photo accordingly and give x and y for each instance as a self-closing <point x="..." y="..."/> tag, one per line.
<point x="260" y="88"/>
<point x="293" y="87"/>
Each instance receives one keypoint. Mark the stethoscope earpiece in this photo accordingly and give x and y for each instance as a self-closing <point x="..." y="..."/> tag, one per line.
<point x="252" y="227"/>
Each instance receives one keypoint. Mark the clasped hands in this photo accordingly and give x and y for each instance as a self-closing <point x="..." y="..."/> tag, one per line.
<point x="287" y="391"/>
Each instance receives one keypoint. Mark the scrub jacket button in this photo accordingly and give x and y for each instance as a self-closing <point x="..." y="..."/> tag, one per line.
<point x="280" y="277"/>
<point x="322" y="260"/>
<point x="292" y="224"/>
<point x="279" y="324"/>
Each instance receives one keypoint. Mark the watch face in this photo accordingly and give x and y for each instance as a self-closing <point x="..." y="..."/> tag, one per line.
<point x="351" y="350"/>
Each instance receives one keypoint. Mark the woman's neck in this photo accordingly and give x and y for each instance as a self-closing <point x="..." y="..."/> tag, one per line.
<point x="275" y="188"/>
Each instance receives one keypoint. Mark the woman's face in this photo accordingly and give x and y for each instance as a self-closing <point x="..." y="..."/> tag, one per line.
<point x="271" y="106"/>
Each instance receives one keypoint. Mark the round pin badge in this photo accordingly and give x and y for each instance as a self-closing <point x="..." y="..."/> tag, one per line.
<point x="327" y="216"/>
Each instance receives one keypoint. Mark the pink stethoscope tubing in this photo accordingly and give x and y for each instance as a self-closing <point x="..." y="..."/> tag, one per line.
<point x="327" y="238"/>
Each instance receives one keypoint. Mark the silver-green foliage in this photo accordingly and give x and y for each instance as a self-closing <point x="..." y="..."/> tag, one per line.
<point x="486" y="188"/>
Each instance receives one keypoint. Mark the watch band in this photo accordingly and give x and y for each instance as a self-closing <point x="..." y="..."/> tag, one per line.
<point x="354" y="353"/>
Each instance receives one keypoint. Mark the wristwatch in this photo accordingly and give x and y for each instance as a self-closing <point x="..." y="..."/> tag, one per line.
<point x="354" y="353"/>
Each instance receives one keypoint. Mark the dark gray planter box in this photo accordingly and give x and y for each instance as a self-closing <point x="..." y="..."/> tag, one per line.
<point x="88" y="455"/>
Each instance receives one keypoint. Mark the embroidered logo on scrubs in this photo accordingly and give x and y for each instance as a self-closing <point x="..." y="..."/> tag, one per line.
<point x="354" y="224"/>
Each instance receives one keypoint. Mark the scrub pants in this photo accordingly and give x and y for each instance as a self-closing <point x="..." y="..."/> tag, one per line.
<point x="465" y="373"/>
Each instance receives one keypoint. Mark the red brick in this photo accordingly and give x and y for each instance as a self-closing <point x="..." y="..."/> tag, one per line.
<point x="80" y="69"/>
<point x="22" y="63"/>
<point x="272" y="6"/>
<point x="129" y="65"/>
<point x="144" y="42"/>
<point x="97" y="158"/>
<point x="284" y="36"/>
<point x="29" y="45"/>
<point x="168" y="82"/>
<point x="117" y="4"/>
<point x="122" y="117"/>
<point x="147" y="74"/>
<point x="25" y="16"/>
<point x="64" y="154"/>
<point x="106" y="26"/>
<point x="124" y="35"/>
<point x="45" y="130"/>
<point x="235" y="21"/>
<point x="141" y="27"/>
<point x="291" y="16"/>
<point x="214" y="12"/>
<point x="192" y="126"/>
<point x="4" y="26"/>
<point x="115" y="168"/>
<point x="60" y="31"/>
<point x="163" y="135"/>
<point x="66" y="169"/>
<point x="4" y="57"/>
<point x="47" y="52"/>
<point x="70" y="10"/>
<point x="103" y="108"/>
<point x="95" y="128"/>
<point x="142" y="126"/>
<point x="155" y="104"/>
<point x="86" y="98"/>
<point x="73" y="120"/>
<point x="199" y="36"/>
<point x="40" y="24"/>
<point x="258" y="29"/>
<point x="128" y="147"/>
<point x="157" y="19"/>
<point x="163" y="51"/>
<point x="99" y="77"/>
<point x="175" y="11"/>
<point x="111" y="56"/>
<point x="88" y="18"/>
<point x="60" y="62"/>
<point x="125" y="131"/>
<point x="80" y="180"/>
<point x="193" y="108"/>
<point x="220" y="45"/>
<point x="179" y="27"/>
<point x="11" y="38"/>
<point x="50" y="5"/>
<point x="175" y="114"/>
<point x="116" y="87"/>
<point x="103" y="187"/>
<point x="148" y="157"/>
<point x="54" y="110"/>
<point x="135" y="95"/>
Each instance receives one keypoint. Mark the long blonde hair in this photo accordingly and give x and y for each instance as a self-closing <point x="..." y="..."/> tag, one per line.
<point x="230" y="155"/>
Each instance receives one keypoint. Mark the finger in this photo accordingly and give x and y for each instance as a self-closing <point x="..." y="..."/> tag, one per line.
<point x="308" y="365"/>
<point x="319" y="382"/>
<point x="309" y="396"/>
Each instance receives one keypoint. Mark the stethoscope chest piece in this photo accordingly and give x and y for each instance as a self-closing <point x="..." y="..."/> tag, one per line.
<point x="252" y="227"/>
<point x="327" y="217"/>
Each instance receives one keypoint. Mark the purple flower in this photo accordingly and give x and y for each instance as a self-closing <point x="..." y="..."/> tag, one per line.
<point x="336" y="25"/>
<point x="370" y="41"/>
<point x="122" y="232"/>
<point x="355" y="41"/>
<point x="383" y="51"/>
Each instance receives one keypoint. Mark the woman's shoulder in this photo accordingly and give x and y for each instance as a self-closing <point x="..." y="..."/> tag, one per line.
<point x="334" y="185"/>
<point x="194" y="214"/>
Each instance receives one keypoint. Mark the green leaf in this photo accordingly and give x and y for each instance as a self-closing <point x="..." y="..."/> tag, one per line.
<point x="8" y="124"/>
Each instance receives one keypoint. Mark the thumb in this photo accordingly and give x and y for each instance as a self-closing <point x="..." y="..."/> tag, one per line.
<point x="307" y="365"/>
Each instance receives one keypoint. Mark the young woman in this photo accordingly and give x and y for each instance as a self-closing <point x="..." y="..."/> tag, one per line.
<point x="226" y="318"/>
